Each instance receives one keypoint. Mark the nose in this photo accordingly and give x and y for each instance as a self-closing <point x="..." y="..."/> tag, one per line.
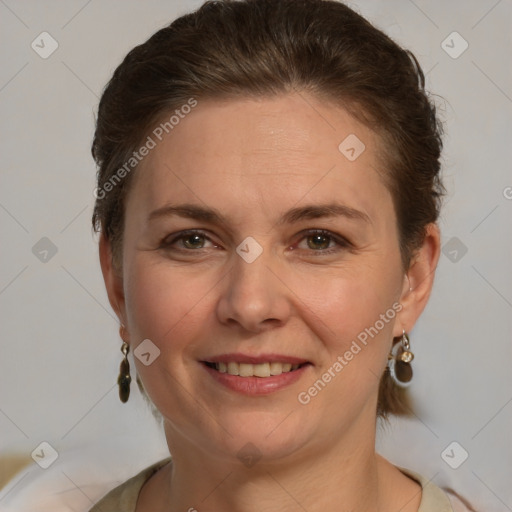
<point x="254" y="297"/>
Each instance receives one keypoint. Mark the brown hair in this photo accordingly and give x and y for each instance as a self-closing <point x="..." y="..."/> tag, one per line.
<point x="243" y="48"/>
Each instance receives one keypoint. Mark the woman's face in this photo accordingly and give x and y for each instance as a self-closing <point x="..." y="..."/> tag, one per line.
<point x="252" y="235"/>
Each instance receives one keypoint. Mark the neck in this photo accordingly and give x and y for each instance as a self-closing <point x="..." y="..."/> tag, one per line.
<point x="346" y="471"/>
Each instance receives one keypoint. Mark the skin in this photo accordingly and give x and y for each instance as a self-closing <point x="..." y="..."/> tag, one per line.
<point x="253" y="160"/>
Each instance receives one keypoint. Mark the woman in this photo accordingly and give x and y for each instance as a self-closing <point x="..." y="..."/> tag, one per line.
<point x="267" y="198"/>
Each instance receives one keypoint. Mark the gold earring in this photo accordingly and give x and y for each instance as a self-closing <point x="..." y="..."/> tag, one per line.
<point x="399" y="362"/>
<point x="124" y="379"/>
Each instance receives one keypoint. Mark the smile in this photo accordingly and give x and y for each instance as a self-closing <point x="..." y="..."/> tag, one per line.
<point x="255" y="375"/>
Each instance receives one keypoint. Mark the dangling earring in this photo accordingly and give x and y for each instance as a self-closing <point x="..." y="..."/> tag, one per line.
<point x="124" y="379"/>
<point x="399" y="361"/>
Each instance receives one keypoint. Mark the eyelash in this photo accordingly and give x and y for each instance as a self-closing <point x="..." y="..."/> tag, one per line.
<point x="340" y="241"/>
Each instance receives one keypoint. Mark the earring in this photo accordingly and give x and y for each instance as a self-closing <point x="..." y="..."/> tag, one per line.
<point x="399" y="362"/>
<point x="124" y="379"/>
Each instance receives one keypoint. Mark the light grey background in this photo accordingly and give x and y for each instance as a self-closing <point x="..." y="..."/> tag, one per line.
<point x="60" y="346"/>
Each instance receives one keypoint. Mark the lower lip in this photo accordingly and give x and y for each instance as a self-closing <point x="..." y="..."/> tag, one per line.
<point x="255" y="386"/>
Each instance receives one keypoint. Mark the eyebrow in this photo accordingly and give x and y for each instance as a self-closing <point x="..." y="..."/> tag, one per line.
<point x="308" y="212"/>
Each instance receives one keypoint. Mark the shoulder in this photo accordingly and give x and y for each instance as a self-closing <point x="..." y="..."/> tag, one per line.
<point x="74" y="484"/>
<point x="124" y="497"/>
<point x="434" y="499"/>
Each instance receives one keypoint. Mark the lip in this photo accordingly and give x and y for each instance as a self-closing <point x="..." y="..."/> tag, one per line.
<point x="257" y="386"/>
<point x="263" y="358"/>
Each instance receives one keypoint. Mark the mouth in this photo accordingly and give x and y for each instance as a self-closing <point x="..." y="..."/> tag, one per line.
<point x="262" y="370"/>
<point x="255" y="375"/>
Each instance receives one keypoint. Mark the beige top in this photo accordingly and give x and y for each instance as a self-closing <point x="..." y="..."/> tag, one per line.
<point x="124" y="498"/>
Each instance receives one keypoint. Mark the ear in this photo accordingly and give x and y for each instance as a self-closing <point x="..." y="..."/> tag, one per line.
<point x="113" y="279"/>
<point x="419" y="280"/>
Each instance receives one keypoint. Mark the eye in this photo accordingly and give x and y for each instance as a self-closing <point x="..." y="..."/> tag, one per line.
<point x="186" y="240"/>
<point x="324" y="242"/>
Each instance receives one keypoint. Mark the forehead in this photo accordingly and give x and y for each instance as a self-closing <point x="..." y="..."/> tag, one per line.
<point x="251" y="153"/>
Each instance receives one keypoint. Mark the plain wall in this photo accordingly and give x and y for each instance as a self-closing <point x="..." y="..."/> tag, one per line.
<point x="60" y="345"/>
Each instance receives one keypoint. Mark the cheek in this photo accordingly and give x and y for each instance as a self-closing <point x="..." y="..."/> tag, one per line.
<point x="161" y="301"/>
<point x="360" y="307"/>
<point x="351" y="300"/>
<point x="354" y="314"/>
<point x="164" y="305"/>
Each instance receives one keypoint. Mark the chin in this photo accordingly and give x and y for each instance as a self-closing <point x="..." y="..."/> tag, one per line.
<point x="263" y="436"/>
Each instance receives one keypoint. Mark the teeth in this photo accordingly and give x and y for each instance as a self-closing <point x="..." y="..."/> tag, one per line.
<point x="276" y="368"/>
<point x="261" y="370"/>
<point x="255" y="370"/>
<point x="233" y="368"/>
<point x="246" y="370"/>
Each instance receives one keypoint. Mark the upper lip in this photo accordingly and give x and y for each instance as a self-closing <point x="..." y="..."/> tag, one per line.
<point x="262" y="358"/>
